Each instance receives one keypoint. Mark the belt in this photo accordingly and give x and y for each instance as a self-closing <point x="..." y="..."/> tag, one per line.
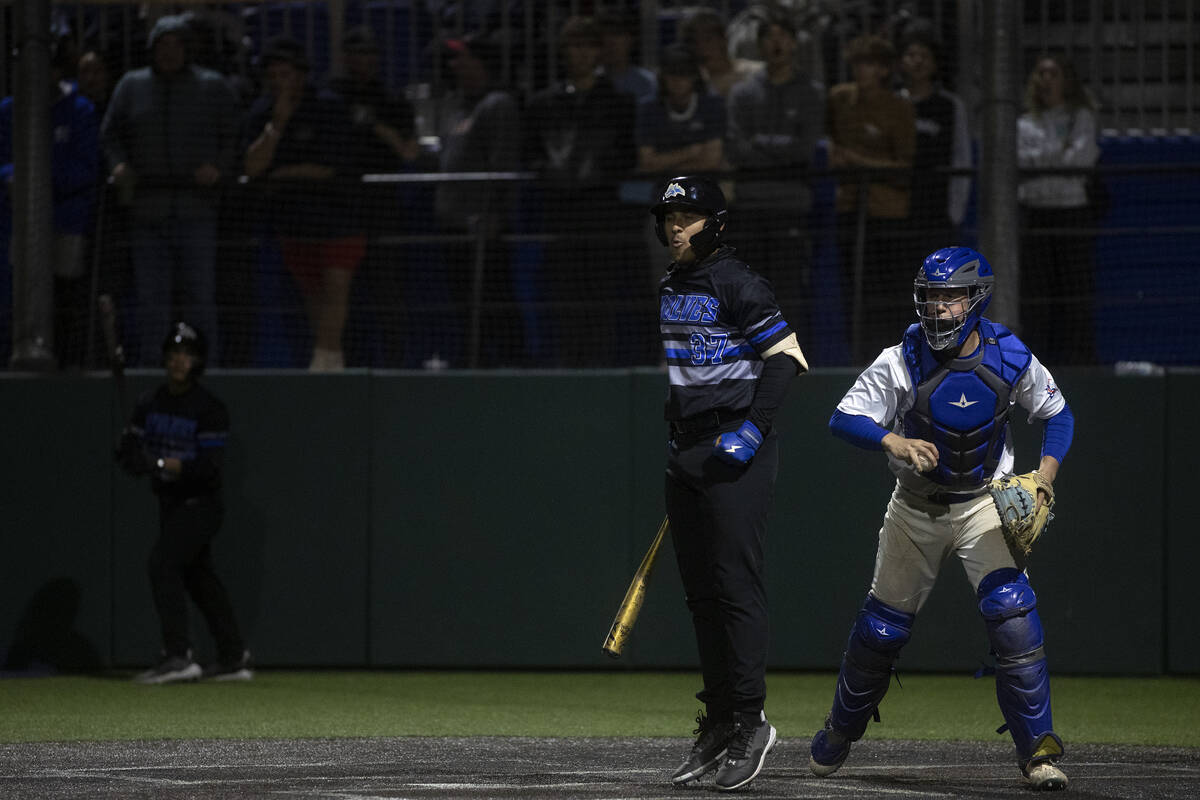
<point x="707" y="420"/>
<point x="949" y="498"/>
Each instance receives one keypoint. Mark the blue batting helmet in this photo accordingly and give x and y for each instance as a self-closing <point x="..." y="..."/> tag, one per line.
<point x="952" y="268"/>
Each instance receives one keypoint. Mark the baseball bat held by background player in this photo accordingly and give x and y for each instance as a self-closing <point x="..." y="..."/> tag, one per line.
<point x="627" y="613"/>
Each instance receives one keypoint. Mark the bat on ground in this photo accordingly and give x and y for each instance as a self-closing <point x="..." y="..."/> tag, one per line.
<point x="627" y="614"/>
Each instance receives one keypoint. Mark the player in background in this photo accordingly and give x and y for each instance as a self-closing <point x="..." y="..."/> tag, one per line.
<point x="177" y="435"/>
<point x="730" y="357"/>
<point x="938" y="405"/>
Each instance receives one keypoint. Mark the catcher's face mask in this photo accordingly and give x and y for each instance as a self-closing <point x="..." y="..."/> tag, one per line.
<point x="952" y="271"/>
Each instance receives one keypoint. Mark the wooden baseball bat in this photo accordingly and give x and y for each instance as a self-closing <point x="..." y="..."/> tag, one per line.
<point x="627" y="614"/>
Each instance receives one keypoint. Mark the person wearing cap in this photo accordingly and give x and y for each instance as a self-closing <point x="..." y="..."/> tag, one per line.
<point x="298" y="140"/>
<point x="683" y="129"/>
<point x="384" y="124"/>
<point x="170" y="137"/>
<point x="380" y="130"/>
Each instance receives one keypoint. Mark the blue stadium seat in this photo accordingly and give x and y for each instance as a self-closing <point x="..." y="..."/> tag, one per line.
<point x="1147" y="284"/>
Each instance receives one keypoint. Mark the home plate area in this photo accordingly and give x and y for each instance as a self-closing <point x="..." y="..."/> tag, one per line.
<point x="483" y="767"/>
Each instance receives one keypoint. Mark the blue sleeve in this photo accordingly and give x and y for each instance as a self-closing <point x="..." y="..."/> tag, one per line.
<point x="858" y="430"/>
<point x="1057" y="435"/>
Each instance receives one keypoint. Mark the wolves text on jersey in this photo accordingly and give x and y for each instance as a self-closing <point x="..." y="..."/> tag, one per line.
<point x="689" y="308"/>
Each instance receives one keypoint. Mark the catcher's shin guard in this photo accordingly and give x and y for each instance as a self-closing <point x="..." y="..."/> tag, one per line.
<point x="1009" y="607"/>
<point x="875" y="641"/>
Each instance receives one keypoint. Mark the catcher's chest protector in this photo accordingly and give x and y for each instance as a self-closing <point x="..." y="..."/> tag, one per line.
<point x="962" y="405"/>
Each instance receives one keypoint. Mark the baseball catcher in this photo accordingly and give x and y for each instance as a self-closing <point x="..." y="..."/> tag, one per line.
<point x="938" y="404"/>
<point x="1024" y="503"/>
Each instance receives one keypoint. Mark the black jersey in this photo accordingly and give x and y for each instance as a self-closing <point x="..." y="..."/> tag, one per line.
<point x="935" y="148"/>
<point x="717" y="319"/>
<point x="193" y="427"/>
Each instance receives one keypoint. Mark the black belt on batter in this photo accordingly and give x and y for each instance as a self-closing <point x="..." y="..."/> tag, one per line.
<point x="707" y="420"/>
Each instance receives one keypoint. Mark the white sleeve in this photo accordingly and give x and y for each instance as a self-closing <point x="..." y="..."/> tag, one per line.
<point x="1081" y="148"/>
<point x="882" y="390"/>
<point x="1038" y="393"/>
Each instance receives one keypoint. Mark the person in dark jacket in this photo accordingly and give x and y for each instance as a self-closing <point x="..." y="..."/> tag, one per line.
<point x="170" y="138"/>
<point x="296" y="137"/>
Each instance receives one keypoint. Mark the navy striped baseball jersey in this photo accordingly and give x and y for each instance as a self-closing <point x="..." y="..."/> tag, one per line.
<point x="716" y="318"/>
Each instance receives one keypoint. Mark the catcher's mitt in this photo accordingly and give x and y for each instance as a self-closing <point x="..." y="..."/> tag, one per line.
<point x="1015" y="497"/>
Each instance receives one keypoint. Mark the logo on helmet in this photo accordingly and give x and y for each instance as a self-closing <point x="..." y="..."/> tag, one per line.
<point x="184" y="332"/>
<point x="674" y="190"/>
<point x="949" y="269"/>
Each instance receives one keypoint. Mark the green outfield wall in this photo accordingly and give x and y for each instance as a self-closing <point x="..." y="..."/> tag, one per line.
<point x="494" y="519"/>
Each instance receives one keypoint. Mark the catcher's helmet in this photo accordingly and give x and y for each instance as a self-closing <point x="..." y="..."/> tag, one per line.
<point x="695" y="194"/>
<point x="952" y="268"/>
<point x="186" y="337"/>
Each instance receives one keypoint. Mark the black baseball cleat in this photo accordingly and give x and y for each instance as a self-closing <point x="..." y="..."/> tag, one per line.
<point x="707" y="752"/>
<point x="753" y="737"/>
<point x="171" y="669"/>
<point x="828" y="752"/>
<point x="240" y="669"/>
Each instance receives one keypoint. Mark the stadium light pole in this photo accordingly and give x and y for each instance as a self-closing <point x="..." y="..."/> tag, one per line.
<point x="33" y="205"/>
<point x="999" y="220"/>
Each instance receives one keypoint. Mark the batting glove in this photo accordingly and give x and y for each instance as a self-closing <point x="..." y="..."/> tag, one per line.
<point x="738" y="447"/>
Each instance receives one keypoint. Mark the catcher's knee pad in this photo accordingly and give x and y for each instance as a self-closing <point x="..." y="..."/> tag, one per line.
<point x="1009" y="607"/>
<point x="879" y="633"/>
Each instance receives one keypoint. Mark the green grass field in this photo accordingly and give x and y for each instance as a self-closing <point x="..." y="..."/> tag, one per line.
<point x="315" y="704"/>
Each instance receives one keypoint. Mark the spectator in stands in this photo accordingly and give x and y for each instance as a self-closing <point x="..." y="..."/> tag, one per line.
<point x="480" y="132"/>
<point x="74" y="166"/>
<point x="95" y="80"/>
<point x="579" y="136"/>
<point x="1058" y="129"/>
<point x="383" y="122"/>
<point x="682" y="130"/>
<point x="943" y="140"/>
<point x="298" y="138"/>
<point x="170" y="137"/>
<point x="776" y="117"/>
<point x="619" y="30"/>
<point x="703" y="32"/>
<point x="870" y="127"/>
<point x="382" y="138"/>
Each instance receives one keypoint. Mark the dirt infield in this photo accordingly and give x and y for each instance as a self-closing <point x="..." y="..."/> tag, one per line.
<point x="358" y="769"/>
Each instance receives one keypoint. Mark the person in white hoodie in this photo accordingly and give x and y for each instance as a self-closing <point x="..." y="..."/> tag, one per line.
<point x="1058" y="129"/>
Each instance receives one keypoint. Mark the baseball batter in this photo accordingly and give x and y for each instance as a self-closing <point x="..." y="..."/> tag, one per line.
<point x="938" y="404"/>
<point x="730" y="357"/>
